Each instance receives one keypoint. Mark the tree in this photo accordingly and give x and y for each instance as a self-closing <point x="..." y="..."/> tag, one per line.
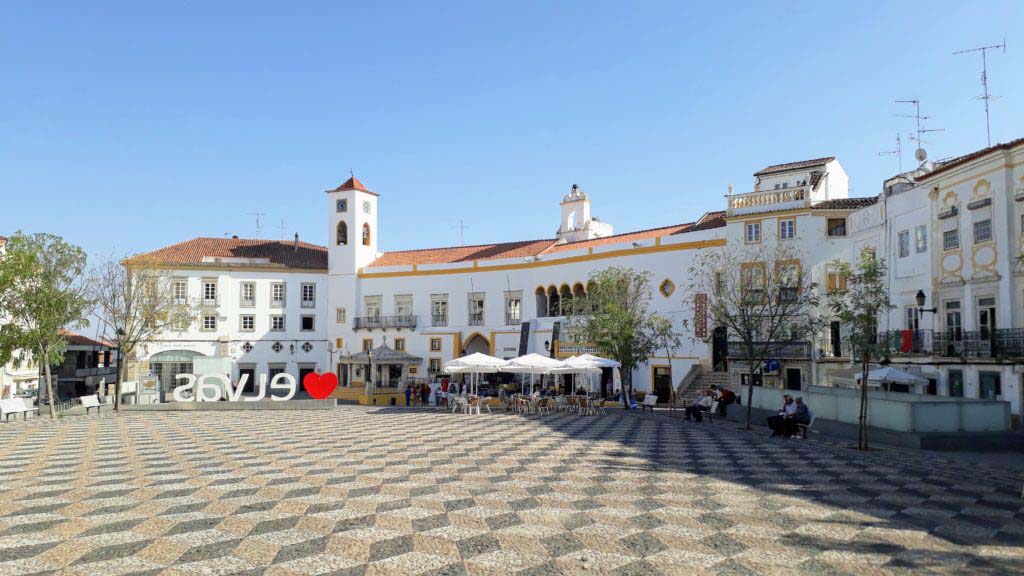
<point x="43" y="296"/>
<point x="762" y="296"/>
<point x="858" y="306"/>
<point x="135" y="301"/>
<point x="615" y="317"/>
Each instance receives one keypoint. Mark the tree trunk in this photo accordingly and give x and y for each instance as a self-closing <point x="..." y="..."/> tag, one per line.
<point x="862" y="430"/>
<point x="627" y="388"/>
<point x="49" y="388"/>
<point x="750" y="395"/>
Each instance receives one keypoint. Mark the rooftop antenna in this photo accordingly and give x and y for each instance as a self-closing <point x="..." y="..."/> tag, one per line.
<point x="920" y="153"/>
<point x="984" y="79"/>
<point x="461" y="225"/>
<point x="280" y="227"/>
<point x="898" y="152"/>
<point x="258" y="215"/>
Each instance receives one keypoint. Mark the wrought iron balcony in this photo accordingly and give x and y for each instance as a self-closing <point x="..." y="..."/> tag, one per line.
<point x="476" y="319"/>
<point x="371" y="322"/>
<point x="439" y="320"/>
<point x="790" y="350"/>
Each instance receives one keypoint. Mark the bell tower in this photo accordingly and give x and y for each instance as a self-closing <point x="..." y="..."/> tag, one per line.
<point x="352" y="227"/>
<point x="577" y="223"/>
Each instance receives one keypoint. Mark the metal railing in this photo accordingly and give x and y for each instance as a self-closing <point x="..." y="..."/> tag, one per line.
<point x="370" y="322"/>
<point x="1000" y="343"/>
<point x="798" y="349"/>
<point x="476" y="319"/>
<point x="439" y="320"/>
<point x="513" y="319"/>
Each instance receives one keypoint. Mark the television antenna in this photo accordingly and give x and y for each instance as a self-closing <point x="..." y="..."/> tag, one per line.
<point x="984" y="79"/>
<point x="898" y="152"/>
<point x="461" y="225"/>
<point x="258" y="215"/>
<point x="280" y="227"/>
<point x="920" y="154"/>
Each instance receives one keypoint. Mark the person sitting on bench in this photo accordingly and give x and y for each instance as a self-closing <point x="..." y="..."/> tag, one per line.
<point x="701" y="404"/>
<point x="801" y="415"/>
<point x="725" y="397"/>
<point x="777" y="422"/>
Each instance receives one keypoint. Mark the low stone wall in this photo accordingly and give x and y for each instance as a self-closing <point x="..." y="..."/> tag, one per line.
<point x="894" y="410"/>
<point x="259" y="405"/>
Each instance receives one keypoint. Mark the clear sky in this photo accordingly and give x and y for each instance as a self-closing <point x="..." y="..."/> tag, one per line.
<point x="129" y="126"/>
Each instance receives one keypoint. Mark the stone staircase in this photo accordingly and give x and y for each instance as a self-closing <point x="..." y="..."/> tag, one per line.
<point x="703" y="380"/>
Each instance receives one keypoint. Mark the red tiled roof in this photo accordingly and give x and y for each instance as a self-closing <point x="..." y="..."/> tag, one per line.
<point x="307" y="256"/>
<point x="76" y="339"/>
<point x="845" y="203"/>
<point x="536" y="247"/>
<point x="463" y="253"/>
<point x="961" y="160"/>
<point x="352" y="183"/>
<point x="794" y="165"/>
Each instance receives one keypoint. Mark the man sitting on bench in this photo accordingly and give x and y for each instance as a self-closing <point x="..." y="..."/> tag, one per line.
<point x="701" y="404"/>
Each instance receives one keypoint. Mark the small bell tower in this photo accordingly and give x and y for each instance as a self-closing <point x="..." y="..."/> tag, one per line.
<point x="577" y="223"/>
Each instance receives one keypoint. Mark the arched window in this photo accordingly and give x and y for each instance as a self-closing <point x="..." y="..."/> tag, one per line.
<point x="366" y="234"/>
<point x="342" y="233"/>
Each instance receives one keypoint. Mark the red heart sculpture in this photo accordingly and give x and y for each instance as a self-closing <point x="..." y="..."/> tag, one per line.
<point x="320" y="386"/>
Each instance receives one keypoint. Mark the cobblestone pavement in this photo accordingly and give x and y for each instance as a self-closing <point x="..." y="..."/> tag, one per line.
<point x="392" y="491"/>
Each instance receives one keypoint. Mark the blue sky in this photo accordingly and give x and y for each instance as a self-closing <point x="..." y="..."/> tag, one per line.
<point x="128" y="126"/>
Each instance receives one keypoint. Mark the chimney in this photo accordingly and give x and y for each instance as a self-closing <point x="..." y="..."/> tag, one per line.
<point x="296" y="241"/>
<point x="730" y="189"/>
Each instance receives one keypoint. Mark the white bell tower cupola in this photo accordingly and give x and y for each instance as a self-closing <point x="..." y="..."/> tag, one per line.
<point x="352" y="227"/>
<point x="577" y="223"/>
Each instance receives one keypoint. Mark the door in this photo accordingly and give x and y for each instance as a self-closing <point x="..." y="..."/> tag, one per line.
<point x="989" y="386"/>
<point x="302" y="375"/>
<point x="986" y="324"/>
<point x="250" y="383"/>
<point x="662" y="383"/>
<point x="342" y="373"/>
<point x="793" y="379"/>
<point x="836" y="339"/>
<point x="720" y="349"/>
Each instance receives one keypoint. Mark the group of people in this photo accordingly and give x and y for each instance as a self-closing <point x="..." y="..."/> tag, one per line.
<point x="417" y="395"/>
<point x="792" y="414"/>
<point x="707" y="399"/>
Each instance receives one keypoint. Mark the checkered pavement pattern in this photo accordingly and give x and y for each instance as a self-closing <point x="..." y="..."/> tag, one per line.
<point x="382" y="491"/>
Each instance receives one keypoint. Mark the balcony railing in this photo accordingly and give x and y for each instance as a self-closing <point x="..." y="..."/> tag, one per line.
<point x="751" y="201"/>
<point x="439" y="320"/>
<point x="513" y="319"/>
<point x="371" y="322"/>
<point x="1001" y="343"/>
<point x="476" y="319"/>
<point x="795" y="350"/>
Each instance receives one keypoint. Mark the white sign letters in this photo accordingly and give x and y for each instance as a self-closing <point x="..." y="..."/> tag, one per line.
<point x="214" y="387"/>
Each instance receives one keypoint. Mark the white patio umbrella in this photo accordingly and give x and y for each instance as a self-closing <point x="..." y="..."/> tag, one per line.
<point x="577" y="365"/>
<point x="890" y="375"/>
<point x="532" y="364"/>
<point x="474" y="364"/>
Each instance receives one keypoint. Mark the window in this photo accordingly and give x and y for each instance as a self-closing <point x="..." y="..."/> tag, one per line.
<point x="339" y="315"/>
<point x="789" y="281"/>
<point x="951" y="239"/>
<point x="476" y="308"/>
<point x="753" y="232"/>
<point x="209" y="322"/>
<point x="513" y="308"/>
<point x="276" y="347"/>
<point x="439" y="309"/>
<point x="209" y="292"/>
<point x="277" y="323"/>
<point x="247" y="347"/>
<point x="982" y="231"/>
<point x="307" y="347"/>
<point x="247" y="323"/>
<point x="787" y="229"/>
<point x="921" y="239"/>
<point x="835" y="280"/>
<point x="308" y="295"/>
<point x="435" y="344"/>
<point x="372" y="305"/>
<point x="367" y="344"/>
<point x="904" y="243"/>
<point x="913" y="318"/>
<point x="366" y="234"/>
<point x="400" y="344"/>
<point x="954" y="320"/>
<point x="277" y="294"/>
<point x="956" y="383"/>
<point x="341" y="205"/>
<point x="435" y="366"/>
<point x="989" y="385"/>
<point x="342" y="238"/>
<point x="836" y="227"/>
<point x="1022" y="224"/>
<point x="403" y="305"/>
<point x="180" y="291"/>
<point x="719" y="282"/>
<point x="986" y="316"/>
<point x="182" y="323"/>
<point x="307" y="324"/>
<point x="248" y="294"/>
<point x="753" y="280"/>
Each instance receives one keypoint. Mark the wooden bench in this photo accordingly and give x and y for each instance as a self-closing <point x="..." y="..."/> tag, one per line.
<point x="91" y="401"/>
<point x="649" y="401"/>
<point x="15" y="406"/>
<point x="803" y="428"/>
<point x="711" y="411"/>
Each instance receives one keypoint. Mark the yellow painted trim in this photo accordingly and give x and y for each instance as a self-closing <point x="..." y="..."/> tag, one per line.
<point x="440" y="344"/>
<point x="760" y="231"/>
<point x="670" y="375"/>
<point x="696" y="245"/>
<point x="657" y="240"/>
<point x="1003" y="166"/>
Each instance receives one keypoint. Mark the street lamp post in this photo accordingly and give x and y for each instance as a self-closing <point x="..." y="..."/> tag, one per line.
<point x="120" y="372"/>
<point x="920" y="298"/>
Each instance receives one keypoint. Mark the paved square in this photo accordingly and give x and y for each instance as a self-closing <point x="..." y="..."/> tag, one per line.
<point x="388" y="491"/>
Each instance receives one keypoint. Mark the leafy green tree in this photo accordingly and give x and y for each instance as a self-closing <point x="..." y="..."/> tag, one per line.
<point x="615" y="317"/>
<point x="135" y="302"/>
<point x="858" y="306"/>
<point x="762" y="296"/>
<point x="43" y="295"/>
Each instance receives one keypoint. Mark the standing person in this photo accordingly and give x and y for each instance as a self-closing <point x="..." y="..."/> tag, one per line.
<point x="444" y="390"/>
<point x="425" y="394"/>
<point x="776" y="423"/>
<point x="408" y="394"/>
<point x="725" y="397"/>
